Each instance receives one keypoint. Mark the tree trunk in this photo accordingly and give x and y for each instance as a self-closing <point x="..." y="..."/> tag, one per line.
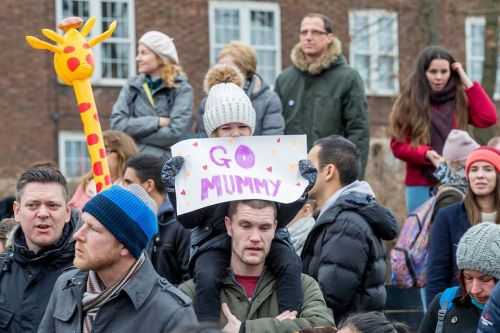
<point x="430" y="12"/>
<point x="490" y="61"/>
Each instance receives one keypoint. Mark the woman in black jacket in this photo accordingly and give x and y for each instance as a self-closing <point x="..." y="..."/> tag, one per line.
<point x="458" y="309"/>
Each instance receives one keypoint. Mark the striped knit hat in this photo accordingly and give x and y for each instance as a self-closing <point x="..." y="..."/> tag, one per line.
<point x="128" y="213"/>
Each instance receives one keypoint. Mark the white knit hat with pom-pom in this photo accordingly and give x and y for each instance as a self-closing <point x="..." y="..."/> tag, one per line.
<point x="227" y="103"/>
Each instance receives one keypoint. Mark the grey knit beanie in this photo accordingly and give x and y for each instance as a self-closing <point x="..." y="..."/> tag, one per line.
<point x="227" y="103"/>
<point x="459" y="144"/>
<point x="479" y="249"/>
<point x="160" y="44"/>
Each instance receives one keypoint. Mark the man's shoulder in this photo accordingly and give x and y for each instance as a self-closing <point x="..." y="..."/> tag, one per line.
<point x="287" y="73"/>
<point x="172" y="295"/>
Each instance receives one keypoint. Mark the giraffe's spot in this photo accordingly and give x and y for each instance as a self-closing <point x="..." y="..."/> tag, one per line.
<point x="98" y="187"/>
<point x="84" y="107"/>
<point x="97" y="167"/>
<point x="86" y="46"/>
<point x="69" y="49"/>
<point x="107" y="180"/>
<point x="92" y="139"/>
<point x="73" y="64"/>
<point x="102" y="153"/>
<point x="90" y="59"/>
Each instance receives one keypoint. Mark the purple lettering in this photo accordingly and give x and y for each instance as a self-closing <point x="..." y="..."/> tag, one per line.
<point x="244" y="157"/>
<point x="260" y="184"/>
<point x="221" y="161"/>
<point x="276" y="186"/>
<point x="229" y="191"/>
<point x="207" y="185"/>
<point x="240" y="182"/>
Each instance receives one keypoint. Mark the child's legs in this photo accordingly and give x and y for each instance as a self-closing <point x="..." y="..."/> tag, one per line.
<point x="415" y="196"/>
<point x="287" y="266"/>
<point x="209" y="268"/>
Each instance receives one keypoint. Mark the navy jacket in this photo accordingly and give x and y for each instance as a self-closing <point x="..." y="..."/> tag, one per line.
<point x="490" y="318"/>
<point x="449" y="226"/>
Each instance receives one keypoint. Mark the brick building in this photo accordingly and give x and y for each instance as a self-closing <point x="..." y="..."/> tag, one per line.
<point x="380" y="38"/>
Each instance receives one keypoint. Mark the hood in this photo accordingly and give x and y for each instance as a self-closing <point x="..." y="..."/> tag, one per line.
<point x="380" y="219"/>
<point x="63" y="249"/>
<point x="332" y="56"/>
<point x="255" y="87"/>
<point x="138" y="81"/>
<point x="166" y="207"/>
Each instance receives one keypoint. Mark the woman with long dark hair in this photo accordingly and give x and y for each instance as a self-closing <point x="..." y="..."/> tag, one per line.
<point x="438" y="97"/>
<point x="481" y="204"/>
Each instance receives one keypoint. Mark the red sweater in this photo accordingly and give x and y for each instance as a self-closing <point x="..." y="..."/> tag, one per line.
<point x="482" y="114"/>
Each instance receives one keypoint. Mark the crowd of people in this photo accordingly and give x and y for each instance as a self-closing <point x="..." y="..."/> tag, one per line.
<point x="124" y="260"/>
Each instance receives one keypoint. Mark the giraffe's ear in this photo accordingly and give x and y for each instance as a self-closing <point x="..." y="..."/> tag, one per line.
<point x="41" y="45"/>
<point x="52" y="35"/>
<point x="105" y="35"/>
<point x="87" y="27"/>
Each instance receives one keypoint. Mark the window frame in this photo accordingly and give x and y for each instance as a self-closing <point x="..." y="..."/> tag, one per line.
<point x="95" y="10"/>
<point x="244" y="9"/>
<point x="374" y="15"/>
<point x="469" y="21"/>
<point x="62" y="138"/>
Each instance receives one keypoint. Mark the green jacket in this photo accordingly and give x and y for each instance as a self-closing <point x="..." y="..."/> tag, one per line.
<point x="324" y="98"/>
<point x="259" y="312"/>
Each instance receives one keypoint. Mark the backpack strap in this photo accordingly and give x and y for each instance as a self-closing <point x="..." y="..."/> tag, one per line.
<point x="445" y="304"/>
<point x="5" y="261"/>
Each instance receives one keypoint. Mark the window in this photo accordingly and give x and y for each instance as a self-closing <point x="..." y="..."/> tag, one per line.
<point x="116" y="54"/>
<point x="374" y="50"/>
<point x="255" y="23"/>
<point x="474" y="42"/>
<point x="73" y="155"/>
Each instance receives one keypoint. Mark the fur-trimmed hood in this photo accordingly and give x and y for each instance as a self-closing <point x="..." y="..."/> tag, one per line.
<point x="326" y="60"/>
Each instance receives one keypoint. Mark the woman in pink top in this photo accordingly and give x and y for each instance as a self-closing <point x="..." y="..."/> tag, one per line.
<point x="438" y="97"/>
<point x="119" y="147"/>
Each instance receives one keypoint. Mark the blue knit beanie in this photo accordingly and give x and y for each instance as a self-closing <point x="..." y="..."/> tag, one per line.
<point x="128" y="213"/>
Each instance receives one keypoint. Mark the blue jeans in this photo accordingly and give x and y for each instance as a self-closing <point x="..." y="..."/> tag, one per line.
<point x="416" y="195"/>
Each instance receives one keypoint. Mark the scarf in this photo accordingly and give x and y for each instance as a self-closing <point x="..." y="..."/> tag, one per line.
<point x="153" y="83"/>
<point x="96" y="294"/>
<point x="448" y="93"/>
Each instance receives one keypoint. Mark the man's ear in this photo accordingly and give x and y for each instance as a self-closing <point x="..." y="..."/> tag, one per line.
<point x="227" y="223"/>
<point x="16" y="208"/>
<point x="149" y="185"/>
<point x="331" y="172"/>
<point x="68" y="213"/>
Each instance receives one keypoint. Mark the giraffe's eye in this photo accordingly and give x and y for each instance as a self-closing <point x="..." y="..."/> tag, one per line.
<point x="69" y="49"/>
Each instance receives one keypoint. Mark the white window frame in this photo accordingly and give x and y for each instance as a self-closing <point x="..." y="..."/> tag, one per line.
<point x="244" y="8"/>
<point x="373" y="15"/>
<point x="63" y="137"/>
<point x="95" y="10"/>
<point x="469" y="21"/>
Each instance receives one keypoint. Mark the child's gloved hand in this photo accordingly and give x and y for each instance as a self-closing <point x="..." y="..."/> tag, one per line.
<point x="309" y="172"/>
<point x="169" y="170"/>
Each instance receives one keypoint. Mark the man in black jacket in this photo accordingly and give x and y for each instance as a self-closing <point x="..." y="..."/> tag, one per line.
<point x="169" y="249"/>
<point x="42" y="248"/>
<point x="344" y="251"/>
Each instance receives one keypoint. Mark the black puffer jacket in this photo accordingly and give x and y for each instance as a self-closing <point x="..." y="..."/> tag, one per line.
<point x="170" y="247"/>
<point x="344" y="252"/>
<point x="27" y="279"/>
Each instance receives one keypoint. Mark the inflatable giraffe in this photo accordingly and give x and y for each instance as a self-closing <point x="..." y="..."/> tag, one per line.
<point x="74" y="65"/>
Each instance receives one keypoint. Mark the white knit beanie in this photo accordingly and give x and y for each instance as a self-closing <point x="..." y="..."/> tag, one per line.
<point x="479" y="249"/>
<point x="160" y="44"/>
<point x="227" y="103"/>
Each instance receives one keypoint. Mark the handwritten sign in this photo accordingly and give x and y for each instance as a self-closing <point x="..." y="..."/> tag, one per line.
<point x="218" y="170"/>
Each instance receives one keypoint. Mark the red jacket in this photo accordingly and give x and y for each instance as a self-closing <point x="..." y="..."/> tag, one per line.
<point x="482" y="114"/>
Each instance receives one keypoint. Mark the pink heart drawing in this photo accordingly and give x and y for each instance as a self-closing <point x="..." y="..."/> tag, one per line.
<point x="269" y="168"/>
<point x="298" y="184"/>
<point x="183" y="192"/>
<point x="205" y="167"/>
<point x="195" y="144"/>
<point x="278" y="140"/>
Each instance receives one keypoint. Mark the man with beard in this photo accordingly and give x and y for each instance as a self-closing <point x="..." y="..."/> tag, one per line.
<point x="42" y="248"/>
<point x="116" y="288"/>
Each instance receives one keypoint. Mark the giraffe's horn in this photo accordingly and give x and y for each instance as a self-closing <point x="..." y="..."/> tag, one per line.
<point x="52" y="35"/>
<point x="41" y="45"/>
<point x="87" y="27"/>
<point x="105" y="35"/>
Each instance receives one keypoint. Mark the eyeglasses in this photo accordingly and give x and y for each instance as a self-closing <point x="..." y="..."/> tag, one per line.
<point x="314" y="33"/>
